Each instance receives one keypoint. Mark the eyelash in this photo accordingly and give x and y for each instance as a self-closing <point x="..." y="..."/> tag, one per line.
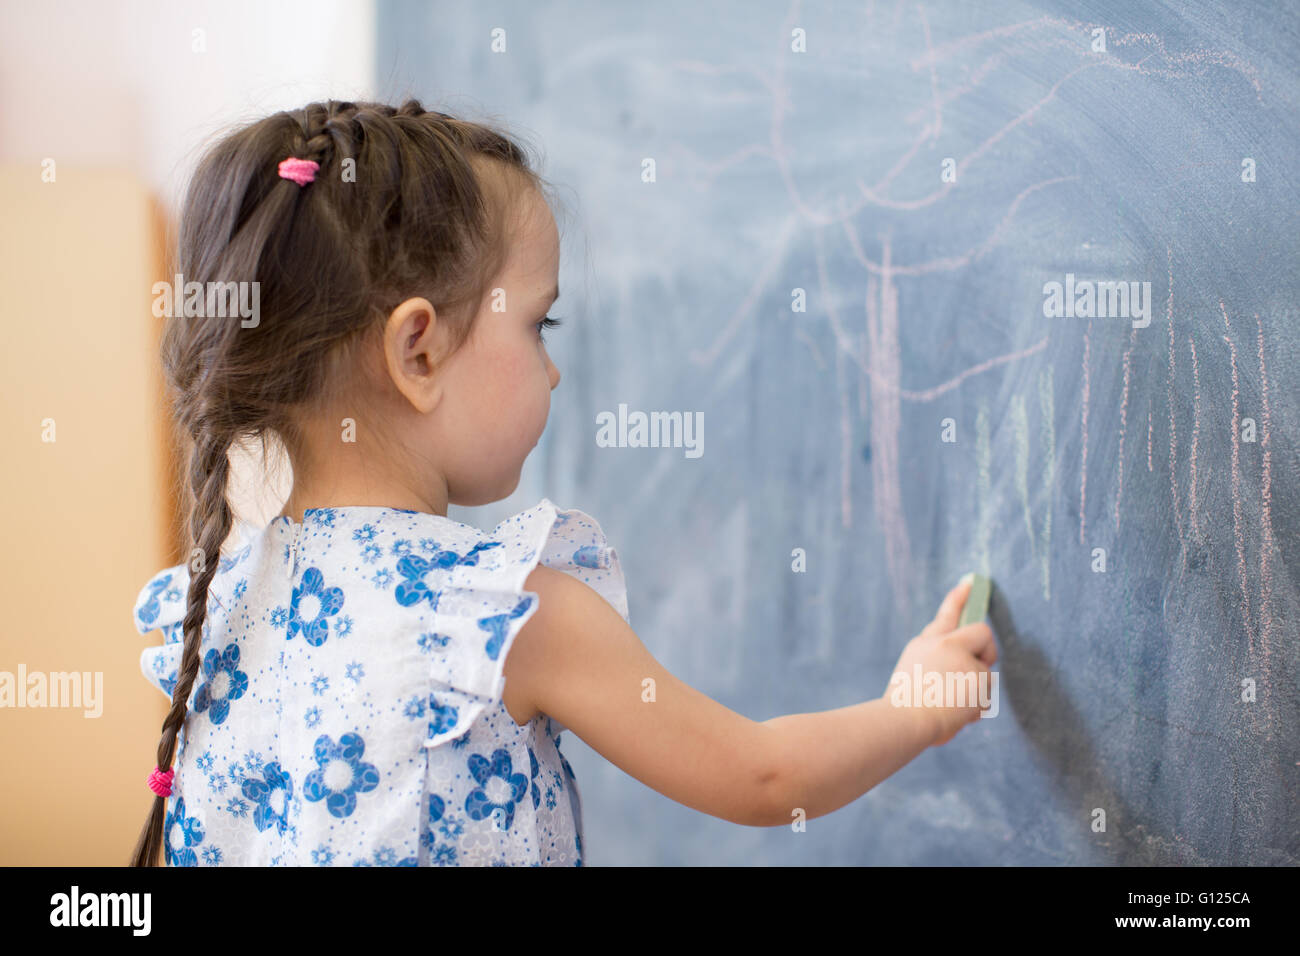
<point x="546" y="323"/>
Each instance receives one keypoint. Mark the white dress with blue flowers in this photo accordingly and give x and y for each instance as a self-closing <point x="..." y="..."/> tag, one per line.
<point x="347" y="710"/>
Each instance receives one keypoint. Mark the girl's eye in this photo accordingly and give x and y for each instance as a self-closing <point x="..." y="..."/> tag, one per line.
<point x="546" y="323"/>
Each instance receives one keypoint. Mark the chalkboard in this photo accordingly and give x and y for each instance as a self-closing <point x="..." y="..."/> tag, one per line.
<point x="1009" y="288"/>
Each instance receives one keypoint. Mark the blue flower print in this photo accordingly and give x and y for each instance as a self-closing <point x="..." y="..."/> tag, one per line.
<point x="322" y="855"/>
<point x="436" y="808"/>
<point x="319" y="684"/>
<point x="312" y="717"/>
<point x="205" y="761"/>
<point x="241" y="587"/>
<point x="445" y="855"/>
<point x="340" y="774"/>
<point x="414" y="708"/>
<point x="272" y="795"/>
<point x="322" y="516"/>
<point x="365" y="533"/>
<point x="387" y="856"/>
<point x="279" y="617"/>
<point x="212" y="855"/>
<point x="321" y="602"/>
<point x="428" y="641"/>
<point x="223" y="682"/>
<point x="478" y="804"/>
<point x="588" y="556"/>
<point x="383" y="577"/>
<point x="442" y="717"/>
<point x="413" y="590"/>
<point x="401" y="547"/>
<point x="149" y="610"/>
<point x="496" y="626"/>
<point x="237" y="808"/>
<point x="354" y="672"/>
<point x="228" y="563"/>
<point x="534" y="770"/>
<point x="413" y="568"/>
<point x="371" y="553"/>
<point x="471" y="556"/>
<point x="343" y="626"/>
<point x="181" y="833"/>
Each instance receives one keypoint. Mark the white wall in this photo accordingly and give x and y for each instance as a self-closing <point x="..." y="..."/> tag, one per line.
<point x="122" y="84"/>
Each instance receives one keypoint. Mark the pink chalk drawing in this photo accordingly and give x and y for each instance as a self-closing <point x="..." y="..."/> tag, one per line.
<point x="1265" y="506"/>
<point x="1192" y="506"/>
<point x="1083" y="445"/>
<point x="1238" y="534"/>
<point x="877" y="349"/>
<point x="1123" y="425"/>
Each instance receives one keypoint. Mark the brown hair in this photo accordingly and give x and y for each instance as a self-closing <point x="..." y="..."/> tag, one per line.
<point x="423" y="209"/>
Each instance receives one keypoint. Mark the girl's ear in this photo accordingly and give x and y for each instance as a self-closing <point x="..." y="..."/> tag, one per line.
<point x="414" y="340"/>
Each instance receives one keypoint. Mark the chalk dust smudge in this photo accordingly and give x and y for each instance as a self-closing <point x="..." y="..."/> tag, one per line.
<point x="983" y="488"/>
<point x="1083" y="459"/>
<point x="1020" y="426"/>
<point x="1046" y="400"/>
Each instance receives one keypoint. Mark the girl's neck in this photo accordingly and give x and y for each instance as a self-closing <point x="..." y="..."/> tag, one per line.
<point x="301" y="498"/>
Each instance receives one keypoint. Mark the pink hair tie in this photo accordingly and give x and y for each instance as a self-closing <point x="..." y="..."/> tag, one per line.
<point x="301" y="171"/>
<point x="161" y="783"/>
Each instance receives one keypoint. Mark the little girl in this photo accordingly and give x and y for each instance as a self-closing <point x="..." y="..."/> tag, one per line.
<point x="365" y="681"/>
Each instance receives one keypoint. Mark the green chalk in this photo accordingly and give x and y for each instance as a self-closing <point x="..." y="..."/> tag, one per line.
<point x="977" y="602"/>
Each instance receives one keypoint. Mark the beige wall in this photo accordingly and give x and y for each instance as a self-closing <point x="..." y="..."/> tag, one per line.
<point x="87" y="515"/>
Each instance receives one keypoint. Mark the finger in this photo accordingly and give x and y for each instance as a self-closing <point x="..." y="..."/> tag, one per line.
<point x="950" y="610"/>
<point x="977" y="638"/>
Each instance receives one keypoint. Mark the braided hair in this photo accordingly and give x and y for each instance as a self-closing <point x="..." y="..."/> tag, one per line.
<point x="406" y="202"/>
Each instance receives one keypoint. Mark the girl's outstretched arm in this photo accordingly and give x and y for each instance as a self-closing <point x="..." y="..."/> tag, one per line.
<point x="578" y="661"/>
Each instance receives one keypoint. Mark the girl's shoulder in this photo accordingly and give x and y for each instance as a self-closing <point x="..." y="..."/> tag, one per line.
<point x="455" y="591"/>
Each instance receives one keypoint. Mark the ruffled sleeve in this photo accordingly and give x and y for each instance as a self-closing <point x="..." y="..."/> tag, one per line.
<point x="481" y="605"/>
<point x="161" y="606"/>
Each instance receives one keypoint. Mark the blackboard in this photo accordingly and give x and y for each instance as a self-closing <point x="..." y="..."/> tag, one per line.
<point x="844" y="256"/>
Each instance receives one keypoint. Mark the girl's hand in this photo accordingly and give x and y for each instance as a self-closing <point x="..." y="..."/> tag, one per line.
<point x="943" y="648"/>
